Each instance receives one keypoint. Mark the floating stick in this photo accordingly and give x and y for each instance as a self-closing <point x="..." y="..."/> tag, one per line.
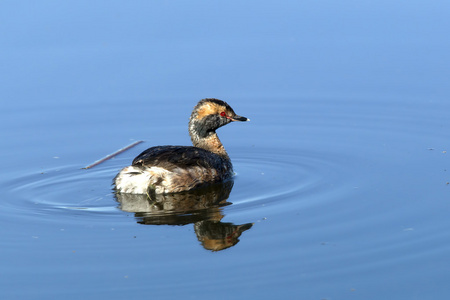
<point x="112" y="155"/>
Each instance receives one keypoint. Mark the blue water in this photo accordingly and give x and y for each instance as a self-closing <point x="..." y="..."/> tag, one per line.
<point x="342" y="171"/>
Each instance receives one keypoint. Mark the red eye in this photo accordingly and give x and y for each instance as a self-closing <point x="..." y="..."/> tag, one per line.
<point x="223" y="114"/>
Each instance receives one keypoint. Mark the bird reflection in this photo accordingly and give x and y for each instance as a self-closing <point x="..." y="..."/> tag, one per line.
<point x="202" y="207"/>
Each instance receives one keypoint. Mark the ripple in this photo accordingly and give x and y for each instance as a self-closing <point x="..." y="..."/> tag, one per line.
<point x="65" y="191"/>
<point x="71" y="192"/>
<point x="289" y="179"/>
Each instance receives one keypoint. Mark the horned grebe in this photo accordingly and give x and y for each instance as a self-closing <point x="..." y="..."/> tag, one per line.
<point x="172" y="169"/>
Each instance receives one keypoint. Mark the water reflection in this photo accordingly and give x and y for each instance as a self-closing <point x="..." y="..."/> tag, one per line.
<point x="202" y="207"/>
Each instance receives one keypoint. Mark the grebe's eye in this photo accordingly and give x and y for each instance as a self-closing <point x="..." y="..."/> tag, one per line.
<point x="223" y="114"/>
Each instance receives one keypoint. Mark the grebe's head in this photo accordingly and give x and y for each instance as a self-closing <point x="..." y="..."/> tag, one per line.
<point x="210" y="114"/>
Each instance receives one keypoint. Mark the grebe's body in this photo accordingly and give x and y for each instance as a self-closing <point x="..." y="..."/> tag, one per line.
<point x="172" y="169"/>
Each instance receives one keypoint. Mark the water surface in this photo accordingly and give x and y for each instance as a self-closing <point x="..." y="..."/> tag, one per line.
<point x="341" y="186"/>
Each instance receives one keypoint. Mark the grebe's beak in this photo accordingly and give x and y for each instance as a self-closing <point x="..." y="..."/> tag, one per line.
<point x="239" y="118"/>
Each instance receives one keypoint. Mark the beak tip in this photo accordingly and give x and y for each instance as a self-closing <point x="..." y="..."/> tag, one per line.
<point x="240" y="119"/>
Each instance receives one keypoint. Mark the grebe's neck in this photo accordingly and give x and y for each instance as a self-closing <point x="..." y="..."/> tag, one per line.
<point x="211" y="143"/>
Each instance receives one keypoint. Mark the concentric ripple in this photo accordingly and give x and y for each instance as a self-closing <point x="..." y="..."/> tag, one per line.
<point x="288" y="180"/>
<point x="69" y="191"/>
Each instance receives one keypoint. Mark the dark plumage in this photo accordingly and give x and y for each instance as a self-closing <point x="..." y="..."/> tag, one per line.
<point x="170" y="157"/>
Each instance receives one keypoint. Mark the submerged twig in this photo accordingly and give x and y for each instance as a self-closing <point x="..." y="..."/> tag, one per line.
<point x="112" y="155"/>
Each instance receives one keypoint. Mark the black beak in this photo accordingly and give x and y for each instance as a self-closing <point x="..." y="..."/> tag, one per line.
<point x="239" y="118"/>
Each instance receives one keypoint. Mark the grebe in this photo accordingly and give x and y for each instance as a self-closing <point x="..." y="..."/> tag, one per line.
<point x="172" y="169"/>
